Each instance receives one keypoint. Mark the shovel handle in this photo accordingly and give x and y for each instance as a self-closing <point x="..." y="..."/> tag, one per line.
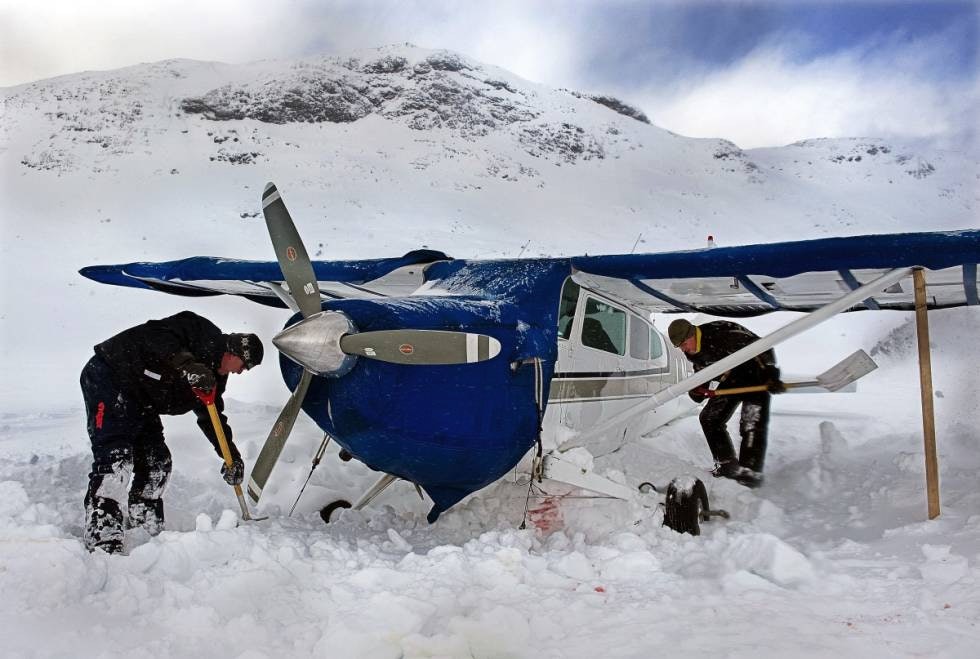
<point x="220" y="432"/>
<point x="759" y="387"/>
<point x="208" y="399"/>
<point x="737" y="390"/>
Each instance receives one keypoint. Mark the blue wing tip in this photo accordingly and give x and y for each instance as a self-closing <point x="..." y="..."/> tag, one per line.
<point x="100" y="273"/>
<point x="110" y="274"/>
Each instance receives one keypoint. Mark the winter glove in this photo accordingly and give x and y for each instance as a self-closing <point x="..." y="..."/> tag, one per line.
<point x="698" y="394"/>
<point x="235" y="474"/>
<point x="198" y="376"/>
<point x="773" y="383"/>
<point x="776" y="387"/>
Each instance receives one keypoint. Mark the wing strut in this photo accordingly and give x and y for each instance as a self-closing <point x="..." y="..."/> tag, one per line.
<point x="748" y="352"/>
<point x="281" y="293"/>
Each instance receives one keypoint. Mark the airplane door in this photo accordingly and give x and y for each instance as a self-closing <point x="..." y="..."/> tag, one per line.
<point x="609" y="359"/>
<point x="599" y="354"/>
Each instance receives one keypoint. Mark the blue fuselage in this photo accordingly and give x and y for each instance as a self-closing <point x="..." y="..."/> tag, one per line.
<point x="450" y="429"/>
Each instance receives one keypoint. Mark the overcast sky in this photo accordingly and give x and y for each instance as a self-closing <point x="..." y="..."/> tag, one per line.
<point x="760" y="73"/>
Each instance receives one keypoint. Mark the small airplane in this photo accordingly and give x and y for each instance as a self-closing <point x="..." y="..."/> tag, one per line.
<point x="448" y="372"/>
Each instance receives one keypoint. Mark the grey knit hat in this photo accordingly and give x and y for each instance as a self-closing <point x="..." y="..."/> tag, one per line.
<point x="247" y="346"/>
<point x="679" y="331"/>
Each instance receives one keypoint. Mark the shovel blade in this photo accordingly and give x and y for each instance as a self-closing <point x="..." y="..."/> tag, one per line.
<point x="847" y="371"/>
<point x="254" y="519"/>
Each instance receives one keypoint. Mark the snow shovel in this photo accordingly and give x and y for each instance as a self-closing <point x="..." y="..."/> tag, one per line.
<point x="834" y="378"/>
<point x="207" y="397"/>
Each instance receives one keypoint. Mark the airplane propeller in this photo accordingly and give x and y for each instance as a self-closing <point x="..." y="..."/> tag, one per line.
<point x="298" y="271"/>
<point x="327" y="343"/>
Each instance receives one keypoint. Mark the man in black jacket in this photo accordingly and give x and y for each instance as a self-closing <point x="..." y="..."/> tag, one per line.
<point x="132" y="379"/>
<point x="706" y="344"/>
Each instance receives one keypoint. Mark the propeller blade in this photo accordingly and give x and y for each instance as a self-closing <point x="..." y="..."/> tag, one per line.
<point x="290" y="252"/>
<point x="277" y="439"/>
<point x="421" y="347"/>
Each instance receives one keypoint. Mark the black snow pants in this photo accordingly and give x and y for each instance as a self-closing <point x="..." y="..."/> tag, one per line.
<point x="131" y="463"/>
<point x="753" y="427"/>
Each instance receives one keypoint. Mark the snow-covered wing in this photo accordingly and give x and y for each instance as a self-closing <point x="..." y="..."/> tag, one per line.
<point x="794" y="276"/>
<point x="724" y="281"/>
<point x="207" y="275"/>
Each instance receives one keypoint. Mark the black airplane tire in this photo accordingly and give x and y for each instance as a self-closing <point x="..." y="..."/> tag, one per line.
<point x="685" y="507"/>
<point x="328" y="510"/>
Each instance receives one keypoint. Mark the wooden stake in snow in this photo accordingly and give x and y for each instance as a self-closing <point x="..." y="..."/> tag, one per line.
<point x="925" y="386"/>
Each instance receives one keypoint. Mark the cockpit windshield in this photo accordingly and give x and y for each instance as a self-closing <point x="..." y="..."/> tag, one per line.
<point x="566" y="308"/>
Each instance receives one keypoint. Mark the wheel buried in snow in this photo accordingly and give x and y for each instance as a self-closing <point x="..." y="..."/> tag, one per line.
<point x="328" y="510"/>
<point x="686" y="505"/>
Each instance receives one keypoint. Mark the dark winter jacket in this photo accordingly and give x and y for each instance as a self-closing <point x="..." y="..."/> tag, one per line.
<point x="721" y="338"/>
<point x="147" y="361"/>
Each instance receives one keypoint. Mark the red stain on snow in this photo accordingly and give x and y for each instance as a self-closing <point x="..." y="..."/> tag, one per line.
<point x="546" y="517"/>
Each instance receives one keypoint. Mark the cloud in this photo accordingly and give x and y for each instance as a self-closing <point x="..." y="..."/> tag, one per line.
<point x="55" y="37"/>
<point x="772" y="96"/>
<point x="526" y="38"/>
<point x="701" y="69"/>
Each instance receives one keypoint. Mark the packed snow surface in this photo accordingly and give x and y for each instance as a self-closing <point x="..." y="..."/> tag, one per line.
<point x="834" y="556"/>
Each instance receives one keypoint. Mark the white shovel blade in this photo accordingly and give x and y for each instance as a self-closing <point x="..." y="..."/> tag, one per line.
<point x="847" y="371"/>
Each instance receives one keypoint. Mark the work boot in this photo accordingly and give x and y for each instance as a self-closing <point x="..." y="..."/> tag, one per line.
<point x="108" y="546"/>
<point x="742" y="475"/>
<point x="725" y="469"/>
<point x="103" y="525"/>
<point x="146" y="514"/>
<point x="749" y="478"/>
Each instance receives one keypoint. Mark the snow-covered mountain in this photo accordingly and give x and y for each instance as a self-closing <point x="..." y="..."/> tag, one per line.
<point x="440" y="145"/>
<point x="397" y="148"/>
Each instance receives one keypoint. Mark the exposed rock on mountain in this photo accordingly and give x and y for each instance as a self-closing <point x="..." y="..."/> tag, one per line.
<point x="440" y="90"/>
<point x="616" y="105"/>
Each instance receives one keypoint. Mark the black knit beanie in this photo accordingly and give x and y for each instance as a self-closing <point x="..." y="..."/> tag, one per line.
<point x="247" y="346"/>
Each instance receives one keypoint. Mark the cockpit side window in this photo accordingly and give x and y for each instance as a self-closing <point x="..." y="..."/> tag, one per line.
<point x="604" y="327"/>
<point x="656" y="344"/>
<point x="566" y="308"/>
<point x="639" y="339"/>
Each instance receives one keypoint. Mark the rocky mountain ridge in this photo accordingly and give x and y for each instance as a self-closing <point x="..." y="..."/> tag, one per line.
<point x="438" y="90"/>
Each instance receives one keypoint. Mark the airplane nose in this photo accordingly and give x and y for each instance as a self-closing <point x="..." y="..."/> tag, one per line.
<point x="314" y="343"/>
